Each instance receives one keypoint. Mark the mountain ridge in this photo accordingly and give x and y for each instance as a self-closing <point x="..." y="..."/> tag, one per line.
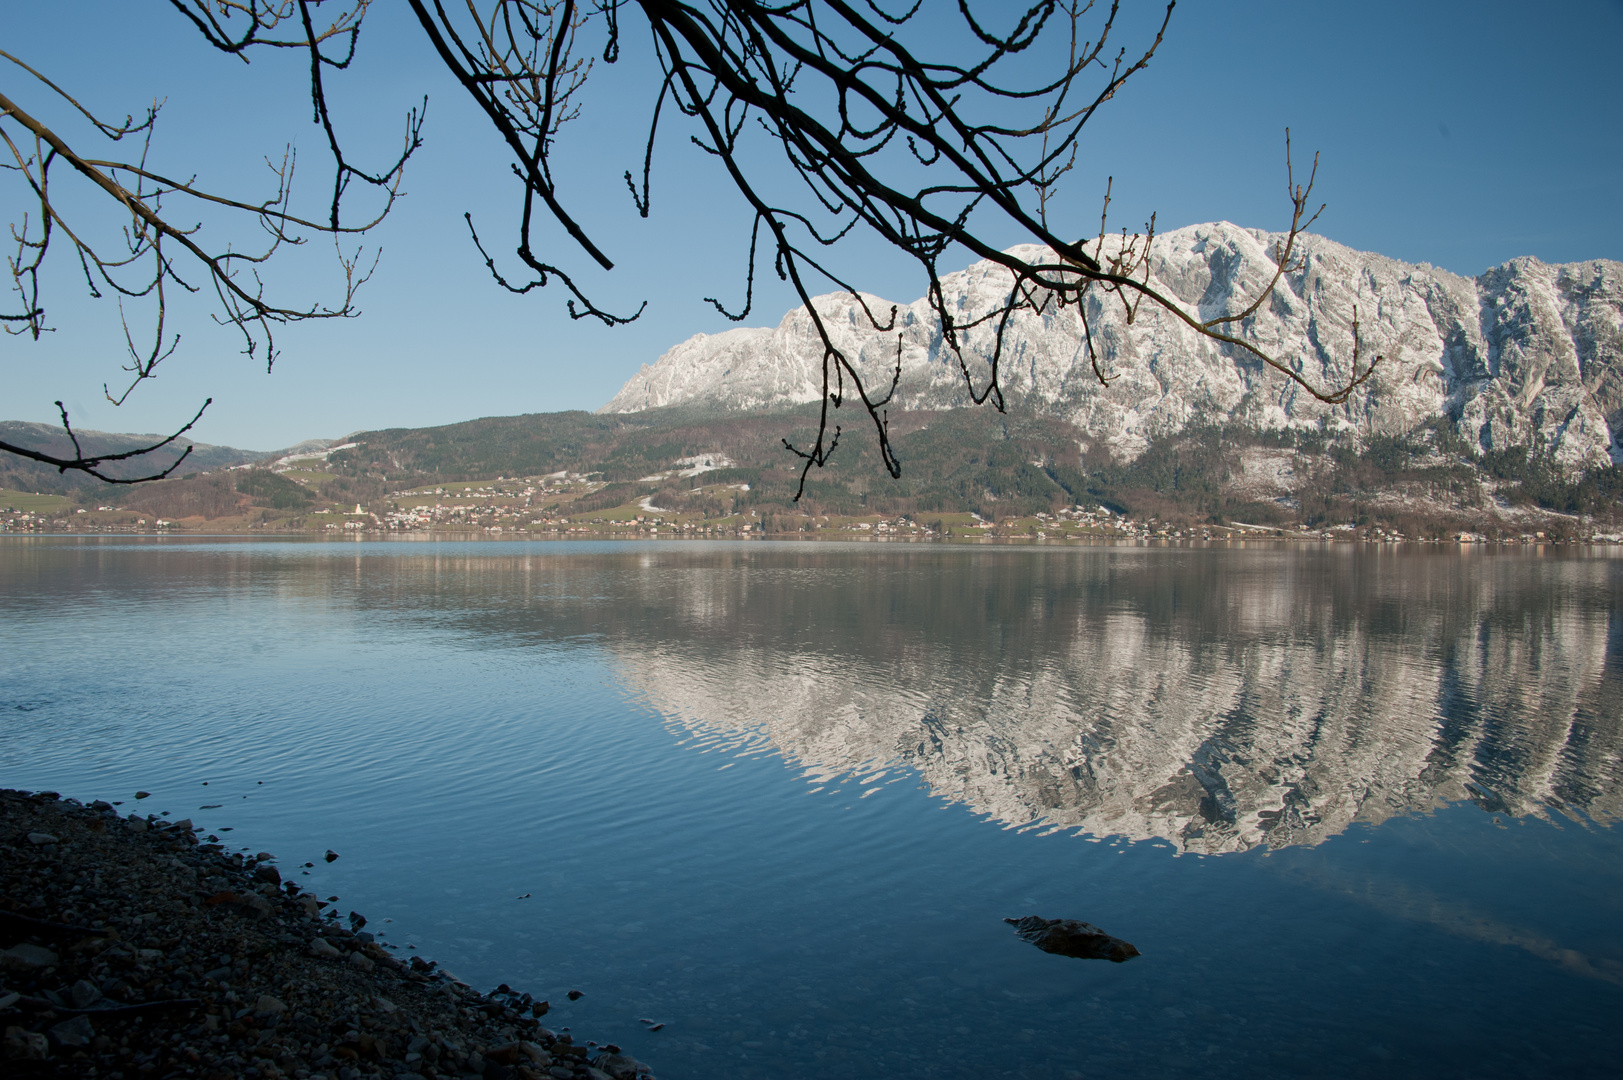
<point x="1526" y="354"/>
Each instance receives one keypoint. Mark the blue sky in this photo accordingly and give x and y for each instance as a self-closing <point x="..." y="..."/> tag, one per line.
<point x="1460" y="134"/>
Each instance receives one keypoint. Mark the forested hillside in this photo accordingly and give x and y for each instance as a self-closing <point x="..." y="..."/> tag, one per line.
<point x="679" y="464"/>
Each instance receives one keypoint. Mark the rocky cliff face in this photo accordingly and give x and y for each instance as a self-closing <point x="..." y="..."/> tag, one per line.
<point x="1525" y="354"/>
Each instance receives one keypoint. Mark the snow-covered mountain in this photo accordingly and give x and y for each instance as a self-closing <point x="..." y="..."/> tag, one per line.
<point x="1526" y="353"/>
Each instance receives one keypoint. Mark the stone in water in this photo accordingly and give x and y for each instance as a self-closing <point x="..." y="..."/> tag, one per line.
<point x="1070" y="937"/>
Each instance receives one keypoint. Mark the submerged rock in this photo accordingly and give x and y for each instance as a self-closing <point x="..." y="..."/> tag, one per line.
<point x="28" y="955"/>
<point x="76" y="1031"/>
<point x="1071" y="937"/>
<point x="619" y="1066"/>
<point x="84" y="994"/>
<point x="22" y="1045"/>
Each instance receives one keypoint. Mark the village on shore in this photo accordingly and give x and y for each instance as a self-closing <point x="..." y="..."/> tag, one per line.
<point x="561" y="507"/>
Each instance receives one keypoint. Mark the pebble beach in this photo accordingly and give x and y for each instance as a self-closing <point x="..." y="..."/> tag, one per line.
<point x="130" y="949"/>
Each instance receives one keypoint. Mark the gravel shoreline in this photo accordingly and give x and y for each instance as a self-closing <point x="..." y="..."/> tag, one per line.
<point x="128" y="950"/>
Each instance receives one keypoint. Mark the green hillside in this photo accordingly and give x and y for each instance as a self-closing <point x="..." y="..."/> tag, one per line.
<point x="697" y="471"/>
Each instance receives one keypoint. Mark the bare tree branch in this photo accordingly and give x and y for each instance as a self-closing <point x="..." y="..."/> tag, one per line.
<point x="154" y="246"/>
<point x="92" y="464"/>
<point x="937" y="153"/>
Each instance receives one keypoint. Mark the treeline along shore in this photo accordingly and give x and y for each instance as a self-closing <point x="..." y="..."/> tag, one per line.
<point x="129" y="949"/>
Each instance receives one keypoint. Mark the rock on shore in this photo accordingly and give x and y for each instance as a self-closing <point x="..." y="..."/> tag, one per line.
<point x="128" y="949"/>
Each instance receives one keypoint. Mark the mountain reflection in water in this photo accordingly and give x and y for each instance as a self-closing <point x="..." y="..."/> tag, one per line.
<point x="1218" y="699"/>
<point x="466" y="722"/>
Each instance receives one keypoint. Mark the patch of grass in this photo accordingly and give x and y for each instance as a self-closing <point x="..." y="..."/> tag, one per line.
<point x="311" y="477"/>
<point x="619" y="514"/>
<point x="32" y="503"/>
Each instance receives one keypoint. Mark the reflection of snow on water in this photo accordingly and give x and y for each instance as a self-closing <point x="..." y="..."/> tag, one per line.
<point x="1278" y="738"/>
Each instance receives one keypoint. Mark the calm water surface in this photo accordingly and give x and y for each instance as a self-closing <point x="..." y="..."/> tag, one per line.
<point x="1355" y="806"/>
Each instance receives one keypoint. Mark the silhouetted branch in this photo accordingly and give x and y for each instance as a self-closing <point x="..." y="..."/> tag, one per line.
<point x="936" y="153"/>
<point x="91" y="464"/>
<point x="153" y="247"/>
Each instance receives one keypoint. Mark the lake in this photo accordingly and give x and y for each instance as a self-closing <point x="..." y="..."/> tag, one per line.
<point x="1355" y="805"/>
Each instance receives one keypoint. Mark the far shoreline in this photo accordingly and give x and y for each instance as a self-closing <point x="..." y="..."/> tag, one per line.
<point x="1257" y="537"/>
